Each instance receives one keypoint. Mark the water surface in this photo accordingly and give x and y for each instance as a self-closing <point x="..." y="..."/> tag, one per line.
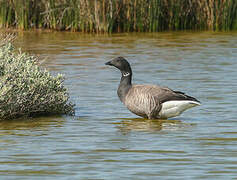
<point x="104" y="140"/>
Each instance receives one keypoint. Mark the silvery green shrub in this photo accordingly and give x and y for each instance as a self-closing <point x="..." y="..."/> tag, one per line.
<point x="26" y="89"/>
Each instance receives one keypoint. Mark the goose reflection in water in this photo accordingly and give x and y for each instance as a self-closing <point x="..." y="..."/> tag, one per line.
<point x="138" y="124"/>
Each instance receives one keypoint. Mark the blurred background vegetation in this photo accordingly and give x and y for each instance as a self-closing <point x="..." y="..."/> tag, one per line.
<point x="119" y="15"/>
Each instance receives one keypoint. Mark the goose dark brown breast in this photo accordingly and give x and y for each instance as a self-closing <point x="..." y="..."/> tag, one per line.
<point x="150" y="101"/>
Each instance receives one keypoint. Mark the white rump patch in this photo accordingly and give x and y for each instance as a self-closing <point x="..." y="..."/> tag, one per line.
<point x="175" y="108"/>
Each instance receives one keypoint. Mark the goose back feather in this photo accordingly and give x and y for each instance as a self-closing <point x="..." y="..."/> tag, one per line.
<point x="147" y="100"/>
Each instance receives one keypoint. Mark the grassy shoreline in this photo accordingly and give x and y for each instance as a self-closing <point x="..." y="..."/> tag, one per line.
<point x="107" y="16"/>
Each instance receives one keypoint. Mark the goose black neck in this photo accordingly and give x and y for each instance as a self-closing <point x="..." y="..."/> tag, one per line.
<point x="125" y="84"/>
<point x="126" y="78"/>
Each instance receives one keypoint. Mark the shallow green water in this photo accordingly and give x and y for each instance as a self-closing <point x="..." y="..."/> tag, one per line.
<point x="104" y="140"/>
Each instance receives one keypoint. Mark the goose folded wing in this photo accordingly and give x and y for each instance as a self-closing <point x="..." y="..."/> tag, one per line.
<point x="142" y="99"/>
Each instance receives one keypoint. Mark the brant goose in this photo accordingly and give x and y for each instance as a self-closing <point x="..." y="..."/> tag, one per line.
<point x="150" y="101"/>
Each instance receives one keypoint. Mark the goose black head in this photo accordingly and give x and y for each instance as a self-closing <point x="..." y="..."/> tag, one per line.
<point x="122" y="64"/>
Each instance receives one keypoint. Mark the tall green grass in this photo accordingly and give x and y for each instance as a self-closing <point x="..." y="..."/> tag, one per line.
<point x="119" y="15"/>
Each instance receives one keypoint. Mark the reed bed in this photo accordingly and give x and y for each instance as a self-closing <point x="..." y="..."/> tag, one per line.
<point x="119" y="15"/>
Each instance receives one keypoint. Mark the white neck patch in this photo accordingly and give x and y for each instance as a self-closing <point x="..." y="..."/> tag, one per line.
<point x="126" y="74"/>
